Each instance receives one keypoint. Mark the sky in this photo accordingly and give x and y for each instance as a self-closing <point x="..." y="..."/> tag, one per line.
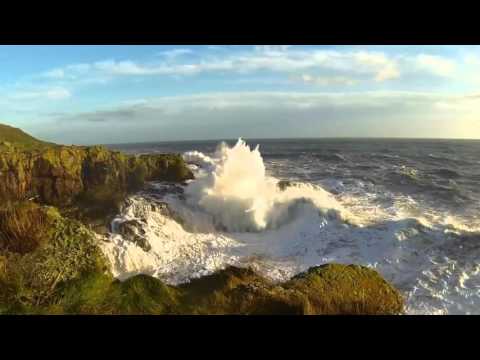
<point x="117" y="94"/>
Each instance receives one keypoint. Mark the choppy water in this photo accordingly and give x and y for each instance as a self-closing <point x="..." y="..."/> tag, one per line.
<point x="416" y="205"/>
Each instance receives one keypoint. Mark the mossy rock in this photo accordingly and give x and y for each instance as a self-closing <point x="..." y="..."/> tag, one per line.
<point x="346" y="289"/>
<point x="331" y="289"/>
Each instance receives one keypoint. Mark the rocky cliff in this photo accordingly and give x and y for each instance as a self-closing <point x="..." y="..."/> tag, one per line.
<point x="59" y="175"/>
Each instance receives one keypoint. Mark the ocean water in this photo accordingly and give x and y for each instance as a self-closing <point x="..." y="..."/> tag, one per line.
<point x="408" y="208"/>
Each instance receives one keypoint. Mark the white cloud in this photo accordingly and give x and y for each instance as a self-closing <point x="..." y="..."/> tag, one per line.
<point x="174" y="53"/>
<point x="327" y="80"/>
<point x="341" y="66"/>
<point x="272" y="48"/>
<point x="277" y="58"/>
<point x="56" y="93"/>
<point x="384" y="68"/>
<point x="55" y="74"/>
<point x="437" y="65"/>
<point x="79" y="68"/>
<point x="390" y="71"/>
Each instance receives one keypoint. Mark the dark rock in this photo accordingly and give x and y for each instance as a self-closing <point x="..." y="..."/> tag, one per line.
<point x="283" y="184"/>
<point x="132" y="230"/>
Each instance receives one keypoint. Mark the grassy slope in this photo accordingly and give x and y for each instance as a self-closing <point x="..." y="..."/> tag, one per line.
<point x="18" y="138"/>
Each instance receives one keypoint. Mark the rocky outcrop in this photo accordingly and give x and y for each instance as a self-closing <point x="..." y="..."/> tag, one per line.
<point x="239" y="291"/>
<point x="59" y="175"/>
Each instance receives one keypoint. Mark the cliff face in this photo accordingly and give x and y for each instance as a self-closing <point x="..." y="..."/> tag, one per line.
<point x="59" y="175"/>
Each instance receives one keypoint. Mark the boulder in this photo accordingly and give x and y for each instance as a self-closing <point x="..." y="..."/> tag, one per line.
<point x="132" y="230"/>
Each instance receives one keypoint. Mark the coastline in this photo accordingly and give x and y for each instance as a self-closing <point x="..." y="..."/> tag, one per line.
<point x="55" y="198"/>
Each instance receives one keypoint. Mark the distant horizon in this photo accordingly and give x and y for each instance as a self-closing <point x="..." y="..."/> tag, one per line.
<point x="292" y="138"/>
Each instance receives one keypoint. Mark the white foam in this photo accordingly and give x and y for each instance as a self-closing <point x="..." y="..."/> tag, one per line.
<point x="240" y="197"/>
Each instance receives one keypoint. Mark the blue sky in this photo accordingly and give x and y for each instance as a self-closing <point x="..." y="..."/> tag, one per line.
<point x="109" y="94"/>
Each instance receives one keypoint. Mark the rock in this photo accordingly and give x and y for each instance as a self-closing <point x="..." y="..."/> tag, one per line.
<point x="283" y="184"/>
<point x="132" y="231"/>
<point x="328" y="289"/>
<point x="346" y="289"/>
<point x="242" y="291"/>
<point x="91" y="177"/>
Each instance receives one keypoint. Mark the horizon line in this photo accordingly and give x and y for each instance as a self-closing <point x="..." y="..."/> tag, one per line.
<point x="291" y="138"/>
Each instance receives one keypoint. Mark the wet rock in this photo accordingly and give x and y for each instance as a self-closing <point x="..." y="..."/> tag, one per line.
<point x="132" y="230"/>
<point x="283" y="184"/>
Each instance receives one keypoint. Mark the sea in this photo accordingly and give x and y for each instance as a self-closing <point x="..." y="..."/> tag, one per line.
<point x="408" y="208"/>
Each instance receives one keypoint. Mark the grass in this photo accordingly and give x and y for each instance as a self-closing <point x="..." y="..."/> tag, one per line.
<point x="19" y="138"/>
<point x="30" y="280"/>
<point x="23" y="227"/>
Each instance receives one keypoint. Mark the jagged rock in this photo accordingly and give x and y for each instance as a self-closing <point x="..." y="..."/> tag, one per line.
<point x="132" y="231"/>
<point x="88" y="183"/>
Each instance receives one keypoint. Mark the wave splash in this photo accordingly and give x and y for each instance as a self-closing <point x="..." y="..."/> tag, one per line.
<point x="240" y="197"/>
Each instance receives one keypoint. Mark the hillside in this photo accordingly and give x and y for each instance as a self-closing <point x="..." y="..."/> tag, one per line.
<point x="19" y="138"/>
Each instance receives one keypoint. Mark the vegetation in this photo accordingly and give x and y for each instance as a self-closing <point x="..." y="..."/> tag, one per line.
<point x="65" y="250"/>
<point x="10" y="136"/>
<point x="23" y="226"/>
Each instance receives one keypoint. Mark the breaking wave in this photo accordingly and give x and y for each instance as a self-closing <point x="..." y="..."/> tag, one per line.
<point x="239" y="197"/>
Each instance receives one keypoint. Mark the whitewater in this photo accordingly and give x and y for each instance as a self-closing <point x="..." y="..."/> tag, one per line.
<point x="237" y="212"/>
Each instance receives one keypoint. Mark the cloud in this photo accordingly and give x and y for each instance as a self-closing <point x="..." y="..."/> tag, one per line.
<point x="472" y="60"/>
<point x="437" y="65"/>
<point x="327" y="80"/>
<point x="277" y="114"/>
<point x="274" y="58"/>
<point x="56" y="93"/>
<point x="272" y="48"/>
<point x="55" y="74"/>
<point x="174" y="53"/>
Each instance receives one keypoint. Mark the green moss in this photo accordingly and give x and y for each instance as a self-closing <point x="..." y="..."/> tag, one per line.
<point x="137" y="176"/>
<point x="229" y="291"/>
<point x="238" y="291"/>
<point x="91" y="293"/>
<point x="346" y="289"/>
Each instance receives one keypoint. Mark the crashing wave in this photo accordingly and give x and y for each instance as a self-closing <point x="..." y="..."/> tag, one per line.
<point x="240" y="197"/>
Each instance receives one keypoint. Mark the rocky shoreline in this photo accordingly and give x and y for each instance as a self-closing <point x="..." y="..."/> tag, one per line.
<point x="53" y="201"/>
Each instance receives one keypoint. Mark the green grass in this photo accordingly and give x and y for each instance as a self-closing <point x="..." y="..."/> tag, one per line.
<point x="11" y="136"/>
